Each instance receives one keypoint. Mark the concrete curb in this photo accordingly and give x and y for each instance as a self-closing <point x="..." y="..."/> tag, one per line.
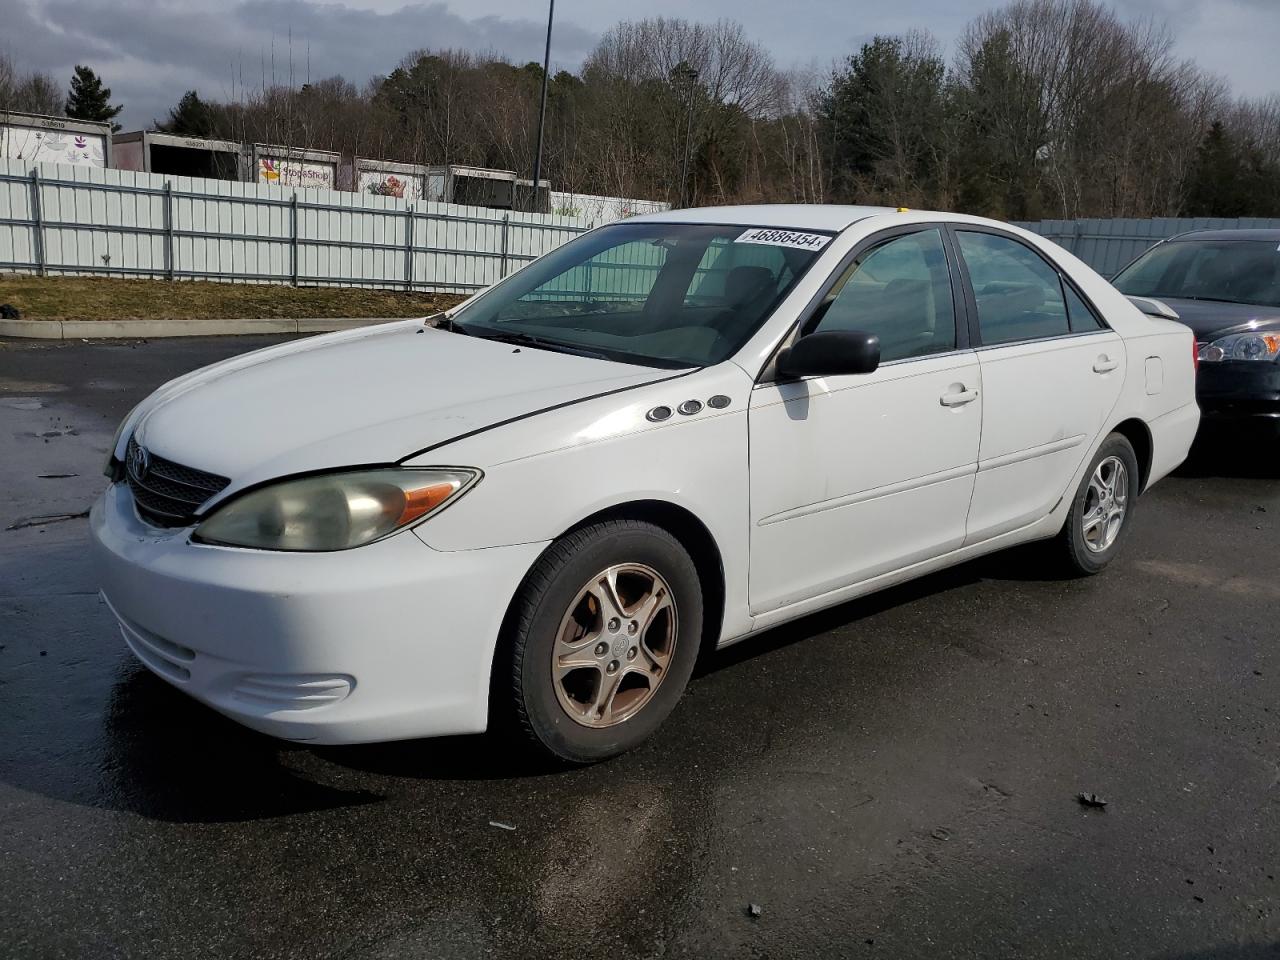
<point x="129" y="329"/>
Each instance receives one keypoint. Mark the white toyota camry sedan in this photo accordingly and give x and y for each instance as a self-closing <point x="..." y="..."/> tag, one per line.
<point x="667" y="435"/>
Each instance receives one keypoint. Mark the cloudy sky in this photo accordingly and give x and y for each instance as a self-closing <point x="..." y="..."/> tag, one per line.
<point x="150" y="51"/>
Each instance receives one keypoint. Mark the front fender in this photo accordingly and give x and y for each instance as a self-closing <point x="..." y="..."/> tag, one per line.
<point x="697" y="462"/>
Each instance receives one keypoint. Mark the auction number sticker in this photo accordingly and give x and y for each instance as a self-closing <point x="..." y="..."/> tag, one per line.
<point x="784" y="238"/>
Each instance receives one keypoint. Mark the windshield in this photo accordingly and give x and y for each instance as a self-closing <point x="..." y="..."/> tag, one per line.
<point x="1234" y="271"/>
<point x="659" y="294"/>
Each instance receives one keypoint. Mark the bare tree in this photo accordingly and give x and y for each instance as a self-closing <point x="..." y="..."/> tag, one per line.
<point x="686" y="88"/>
<point x="1080" y="113"/>
<point x="28" y="92"/>
<point x="1048" y="108"/>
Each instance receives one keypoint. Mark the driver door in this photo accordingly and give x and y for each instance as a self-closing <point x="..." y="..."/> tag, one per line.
<point x="860" y="475"/>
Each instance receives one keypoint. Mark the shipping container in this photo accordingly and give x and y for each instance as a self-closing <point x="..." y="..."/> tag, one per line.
<point x="525" y="200"/>
<point x="294" y="167"/>
<point x="150" y="151"/>
<point x="40" y="139"/>
<point x="473" y="186"/>
<point x="384" y="178"/>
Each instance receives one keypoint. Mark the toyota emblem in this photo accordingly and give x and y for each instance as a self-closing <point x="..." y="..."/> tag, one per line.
<point x="139" y="462"/>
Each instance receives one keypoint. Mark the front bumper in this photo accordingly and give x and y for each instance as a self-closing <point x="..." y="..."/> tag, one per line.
<point x="1240" y="393"/>
<point x="384" y="642"/>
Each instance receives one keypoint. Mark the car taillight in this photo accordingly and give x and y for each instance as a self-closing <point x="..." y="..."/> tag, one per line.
<point x="1195" y="356"/>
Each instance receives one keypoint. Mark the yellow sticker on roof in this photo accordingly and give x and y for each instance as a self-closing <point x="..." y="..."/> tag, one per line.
<point x="784" y="238"/>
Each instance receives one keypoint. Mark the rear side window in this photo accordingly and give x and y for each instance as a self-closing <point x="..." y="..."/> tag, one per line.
<point x="1082" y="318"/>
<point x="901" y="292"/>
<point x="1019" y="296"/>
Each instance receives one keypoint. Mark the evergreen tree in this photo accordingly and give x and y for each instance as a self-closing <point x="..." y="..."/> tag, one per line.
<point x="90" y="100"/>
<point x="1004" y="125"/>
<point x="1219" y="184"/>
<point x="883" y="116"/>
<point x="192" y="117"/>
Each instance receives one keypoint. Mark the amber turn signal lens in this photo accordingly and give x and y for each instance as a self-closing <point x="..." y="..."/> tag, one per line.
<point x="425" y="499"/>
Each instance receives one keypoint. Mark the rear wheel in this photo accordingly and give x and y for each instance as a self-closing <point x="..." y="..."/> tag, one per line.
<point x="1103" y="506"/>
<point x="604" y="640"/>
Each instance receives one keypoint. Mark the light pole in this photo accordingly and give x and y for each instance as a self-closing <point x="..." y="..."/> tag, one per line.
<point x="690" y="76"/>
<point x="542" y="109"/>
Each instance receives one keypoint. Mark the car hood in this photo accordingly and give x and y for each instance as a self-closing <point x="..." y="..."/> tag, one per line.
<point x="1210" y="319"/>
<point x="370" y="396"/>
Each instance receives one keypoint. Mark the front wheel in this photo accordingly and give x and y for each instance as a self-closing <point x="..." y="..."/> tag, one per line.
<point x="1102" y="509"/>
<point x="605" y="637"/>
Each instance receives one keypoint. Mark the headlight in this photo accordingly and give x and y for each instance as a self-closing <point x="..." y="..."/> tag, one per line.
<point x="335" y="511"/>
<point x="109" y="468"/>
<point x="1242" y="346"/>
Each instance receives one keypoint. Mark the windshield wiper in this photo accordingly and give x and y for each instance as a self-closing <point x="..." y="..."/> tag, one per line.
<point x="541" y="343"/>
<point x="1209" y="299"/>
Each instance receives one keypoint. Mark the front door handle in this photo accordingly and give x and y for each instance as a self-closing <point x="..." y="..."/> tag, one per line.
<point x="958" y="398"/>
<point x="1105" y="364"/>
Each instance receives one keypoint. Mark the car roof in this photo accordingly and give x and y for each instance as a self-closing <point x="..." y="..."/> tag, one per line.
<point x="791" y="216"/>
<point x="1257" y="234"/>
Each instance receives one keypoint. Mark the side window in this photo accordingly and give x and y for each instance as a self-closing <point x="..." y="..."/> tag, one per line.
<point x="1082" y="318"/>
<point x="1019" y="295"/>
<point x="901" y="292"/>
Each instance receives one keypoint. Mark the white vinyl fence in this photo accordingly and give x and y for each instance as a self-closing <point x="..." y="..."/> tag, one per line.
<point x="58" y="219"/>
<point x="72" y="220"/>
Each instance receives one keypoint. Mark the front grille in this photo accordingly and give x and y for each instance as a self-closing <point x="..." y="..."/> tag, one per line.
<point x="167" y="494"/>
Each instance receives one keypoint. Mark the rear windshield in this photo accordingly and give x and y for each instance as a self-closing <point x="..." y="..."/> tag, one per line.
<point x="660" y="294"/>
<point x="1233" y="271"/>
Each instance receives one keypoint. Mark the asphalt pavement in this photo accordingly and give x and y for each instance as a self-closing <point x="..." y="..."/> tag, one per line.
<point x="897" y="777"/>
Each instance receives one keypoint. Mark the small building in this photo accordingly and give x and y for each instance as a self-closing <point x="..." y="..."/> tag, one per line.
<point x="150" y="151"/>
<point x="384" y="178"/>
<point x="42" y="139"/>
<point x="473" y="186"/>
<point x="294" y="167"/>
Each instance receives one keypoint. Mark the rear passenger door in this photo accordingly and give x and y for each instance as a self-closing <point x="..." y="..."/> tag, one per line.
<point x="1051" y="372"/>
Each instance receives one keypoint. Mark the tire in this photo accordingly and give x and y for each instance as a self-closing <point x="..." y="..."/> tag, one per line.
<point x="1087" y="543"/>
<point x="592" y="677"/>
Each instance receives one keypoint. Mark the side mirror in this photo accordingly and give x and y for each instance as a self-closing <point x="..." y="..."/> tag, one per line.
<point x="830" y="353"/>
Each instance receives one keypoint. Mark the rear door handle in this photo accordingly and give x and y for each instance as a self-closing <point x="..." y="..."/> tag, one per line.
<point x="958" y="398"/>
<point x="1105" y="364"/>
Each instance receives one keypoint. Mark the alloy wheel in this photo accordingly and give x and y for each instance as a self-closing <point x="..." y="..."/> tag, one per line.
<point x="615" y="645"/>
<point x="1106" y="502"/>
